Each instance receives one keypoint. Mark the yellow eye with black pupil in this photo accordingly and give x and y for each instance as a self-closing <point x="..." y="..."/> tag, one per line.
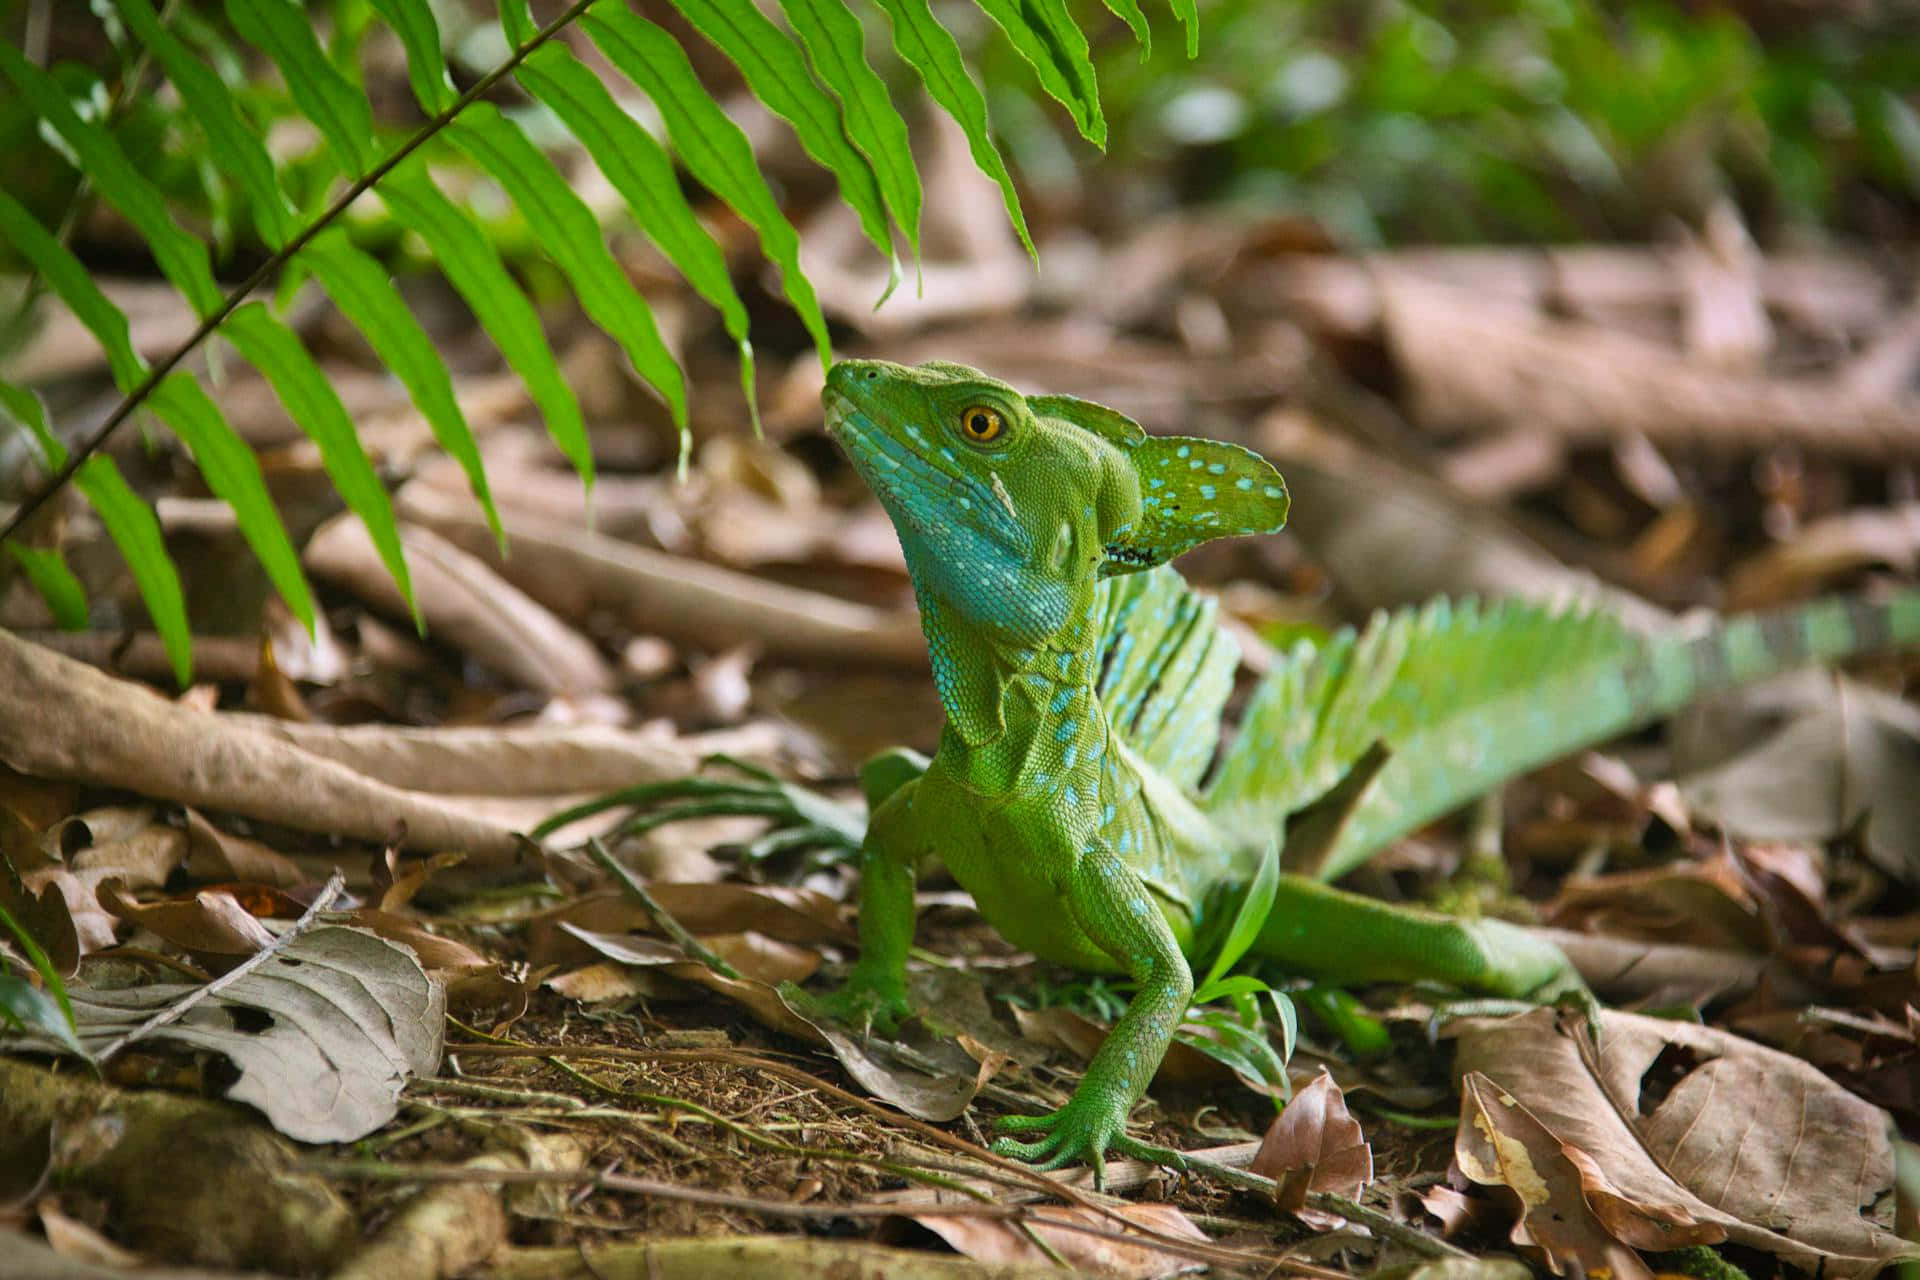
<point x="981" y="424"/>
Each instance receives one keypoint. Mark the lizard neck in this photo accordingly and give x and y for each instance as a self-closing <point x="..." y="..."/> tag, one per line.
<point x="1021" y="719"/>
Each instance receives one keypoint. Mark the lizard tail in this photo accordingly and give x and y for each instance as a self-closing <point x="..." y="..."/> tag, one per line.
<point x="1464" y="697"/>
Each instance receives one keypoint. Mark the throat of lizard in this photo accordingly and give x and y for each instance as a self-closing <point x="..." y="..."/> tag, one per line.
<point x="1054" y="731"/>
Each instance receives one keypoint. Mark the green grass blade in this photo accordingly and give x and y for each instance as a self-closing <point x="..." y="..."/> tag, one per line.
<point x="712" y="146"/>
<point x="365" y="294"/>
<point x="474" y="267"/>
<point x="315" y="407"/>
<point x="570" y="234"/>
<point x="71" y="281"/>
<point x="182" y="257"/>
<point x="836" y="46"/>
<point x="233" y="473"/>
<point x="233" y="145"/>
<point x="777" y="74"/>
<point x="931" y="50"/>
<point x="1043" y="33"/>
<point x="49" y="1011"/>
<point x="641" y="171"/>
<point x="47" y="570"/>
<point x="1129" y="12"/>
<point x="284" y="32"/>
<point x="24" y="407"/>
<point x="1249" y="918"/>
<point x="419" y="32"/>
<point x="131" y="524"/>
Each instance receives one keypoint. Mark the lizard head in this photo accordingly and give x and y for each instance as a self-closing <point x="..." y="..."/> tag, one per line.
<point x="1049" y="490"/>
<point x="1011" y="508"/>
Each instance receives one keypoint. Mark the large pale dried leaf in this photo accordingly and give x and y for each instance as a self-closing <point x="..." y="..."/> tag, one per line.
<point x="1113" y="1252"/>
<point x="323" y="1035"/>
<point x="1317" y="1135"/>
<point x="1747" y="1140"/>
<point x="1501" y="1144"/>
<point x="1806" y="758"/>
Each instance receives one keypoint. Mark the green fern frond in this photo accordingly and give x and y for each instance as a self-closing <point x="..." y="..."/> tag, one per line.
<point x="813" y="73"/>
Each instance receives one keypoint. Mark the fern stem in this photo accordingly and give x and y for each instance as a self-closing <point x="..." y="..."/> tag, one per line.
<point x="95" y="440"/>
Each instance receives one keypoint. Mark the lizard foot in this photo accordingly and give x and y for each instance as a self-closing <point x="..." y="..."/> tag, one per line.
<point x="1075" y="1134"/>
<point x="863" y="1005"/>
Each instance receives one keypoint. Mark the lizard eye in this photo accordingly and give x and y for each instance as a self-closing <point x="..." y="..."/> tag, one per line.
<point x="980" y="424"/>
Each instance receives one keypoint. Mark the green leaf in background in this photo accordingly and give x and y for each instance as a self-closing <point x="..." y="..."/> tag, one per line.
<point x="837" y="48"/>
<point x="641" y="171"/>
<point x="315" y="408"/>
<point x="74" y="285"/>
<point x="182" y="257"/>
<point x="1249" y="918"/>
<point x="284" y="32"/>
<point x="473" y="266"/>
<point x="931" y="50"/>
<point x="47" y="569"/>
<point x="1043" y="33"/>
<point x="366" y="296"/>
<point x="419" y="35"/>
<point x="233" y="145"/>
<point x="714" y="149"/>
<point x="1189" y="14"/>
<point x="777" y="74"/>
<point x="571" y="236"/>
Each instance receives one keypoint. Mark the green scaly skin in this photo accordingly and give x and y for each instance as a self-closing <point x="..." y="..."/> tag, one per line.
<point x="1066" y="792"/>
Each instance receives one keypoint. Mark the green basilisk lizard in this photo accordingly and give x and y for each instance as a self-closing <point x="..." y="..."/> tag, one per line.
<point x="1072" y="792"/>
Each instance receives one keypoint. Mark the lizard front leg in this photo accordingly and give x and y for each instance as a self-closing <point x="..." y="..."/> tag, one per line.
<point x="1111" y="904"/>
<point x="876" y="991"/>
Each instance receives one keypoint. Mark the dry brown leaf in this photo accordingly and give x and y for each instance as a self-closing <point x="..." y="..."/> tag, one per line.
<point x="1824" y="550"/>
<point x="213" y="854"/>
<point x="791" y="915"/>
<point x="1668" y="1116"/>
<point x="1501" y="1144"/>
<point x="1108" y="1253"/>
<point x="211" y="926"/>
<point x="1807" y="757"/>
<point x="1317" y="1136"/>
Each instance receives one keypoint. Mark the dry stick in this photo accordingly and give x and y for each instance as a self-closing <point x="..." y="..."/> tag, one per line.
<point x="276" y="260"/>
<point x="174" y="1012"/>
<point x="658" y="914"/>
<point x="1330" y="1203"/>
<point x="383" y="1171"/>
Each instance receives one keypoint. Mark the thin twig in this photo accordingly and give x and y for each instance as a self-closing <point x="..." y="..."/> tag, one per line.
<point x="179" y="1009"/>
<point x="658" y="914"/>
<point x="273" y="263"/>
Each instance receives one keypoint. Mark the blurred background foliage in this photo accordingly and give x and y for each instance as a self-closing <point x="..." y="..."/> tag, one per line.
<point x="1383" y="121"/>
<point x="1414" y="121"/>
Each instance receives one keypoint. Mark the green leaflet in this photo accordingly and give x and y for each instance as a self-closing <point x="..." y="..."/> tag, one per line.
<point x="516" y="19"/>
<point x="413" y="22"/>
<point x="1189" y="14"/>
<point x="471" y="263"/>
<point x="641" y="171"/>
<point x="75" y="287"/>
<point x="313" y="404"/>
<point x="1043" y="33"/>
<point x="233" y="145"/>
<point x="570" y="234"/>
<point x="231" y="470"/>
<point x="1128" y="11"/>
<point x="47" y="570"/>
<point x="712" y="146"/>
<point x="233" y="473"/>
<point x="931" y="50"/>
<point x="182" y="257"/>
<point x="134" y="529"/>
<point x="339" y="110"/>
<point x="837" y="48"/>
<point x="364" y="292"/>
<point x="777" y="73"/>
<point x="49" y="1011"/>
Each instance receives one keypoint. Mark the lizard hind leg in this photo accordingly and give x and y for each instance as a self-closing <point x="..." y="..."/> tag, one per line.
<point x="1318" y="931"/>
